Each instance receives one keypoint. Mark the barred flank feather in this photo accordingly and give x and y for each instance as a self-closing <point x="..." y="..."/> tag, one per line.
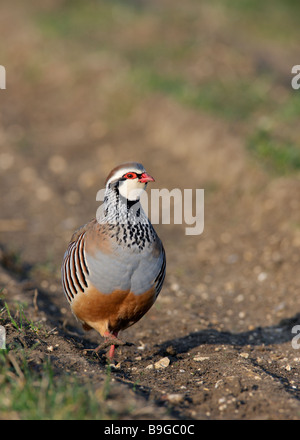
<point x="159" y="280"/>
<point x="74" y="269"/>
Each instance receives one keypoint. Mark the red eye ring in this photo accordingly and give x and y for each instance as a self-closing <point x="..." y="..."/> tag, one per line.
<point x="130" y="176"/>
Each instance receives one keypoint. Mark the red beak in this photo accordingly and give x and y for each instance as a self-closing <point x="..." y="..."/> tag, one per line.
<point x="146" y="178"/>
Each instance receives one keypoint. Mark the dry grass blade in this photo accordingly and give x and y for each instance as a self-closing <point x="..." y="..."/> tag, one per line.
<point x="12" y="359"/>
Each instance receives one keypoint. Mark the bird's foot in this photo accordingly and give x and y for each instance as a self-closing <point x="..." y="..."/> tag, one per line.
<point x="108" y="342"/>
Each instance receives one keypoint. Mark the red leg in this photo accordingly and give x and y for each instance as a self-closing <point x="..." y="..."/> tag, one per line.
<point x="111" y="352"/>
<point x="112" y="335"/>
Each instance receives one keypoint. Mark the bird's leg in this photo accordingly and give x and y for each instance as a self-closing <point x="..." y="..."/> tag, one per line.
<point x="114" y="337"/>
<point x="111" y="352"/>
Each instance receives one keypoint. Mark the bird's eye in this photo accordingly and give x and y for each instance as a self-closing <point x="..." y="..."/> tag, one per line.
<point x="130" y="175"/>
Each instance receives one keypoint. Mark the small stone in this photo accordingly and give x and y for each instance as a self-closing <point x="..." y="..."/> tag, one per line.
<point x="162" y="363"/>
<point x="171" y="350"/>
<point x="44" y="284"/>
<point x="57" y="164"/>
<point x="244" y="355"/>
<point x="175" y="399"/>
<point x="174" y="287"/>
<point x="149" y="367"/>
<point x="142" y="346"/>
<point x="201" y="358"/>
<point x="262" y="276"/>
<point x="218" y="383"/>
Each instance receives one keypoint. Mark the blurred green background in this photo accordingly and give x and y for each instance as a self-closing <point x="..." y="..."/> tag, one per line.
<point x="90" y="84"/>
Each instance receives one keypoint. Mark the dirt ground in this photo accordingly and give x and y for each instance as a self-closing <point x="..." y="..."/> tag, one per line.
<point x="225" y="315"/>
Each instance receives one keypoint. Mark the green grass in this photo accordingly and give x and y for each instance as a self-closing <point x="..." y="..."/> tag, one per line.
<point x="276" y="19"/>
<point x="31" y="390"/>
<point x="290" y="110"/>
<point x="232" y="100"/>
<point x="278" y="155"/>
<point x="41" y="395"/>
<point x="20" y="320"/>
<point x="87" y="21"/>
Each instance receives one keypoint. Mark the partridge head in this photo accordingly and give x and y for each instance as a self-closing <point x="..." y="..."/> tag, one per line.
<point x="114" y="267"/>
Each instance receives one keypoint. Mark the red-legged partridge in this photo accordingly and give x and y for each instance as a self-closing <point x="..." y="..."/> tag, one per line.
<point x="114" y="267"/>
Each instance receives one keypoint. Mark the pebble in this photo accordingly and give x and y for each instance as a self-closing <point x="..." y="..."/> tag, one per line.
<point x="44" y="284"/>
<point x="201" y="358"/>
<point x="142" y="346"/>
<point x="171" y="350"/>
<point x="174" y="287"/>
<point x="149" y="367"/>
<point x="262" y="276"/>
<point x="57" y="164"/>
<point x="244" y="355"/>
<point x="218" y="383"/>
<point x="162" y="363"/>
<point x="174" y="398"/>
